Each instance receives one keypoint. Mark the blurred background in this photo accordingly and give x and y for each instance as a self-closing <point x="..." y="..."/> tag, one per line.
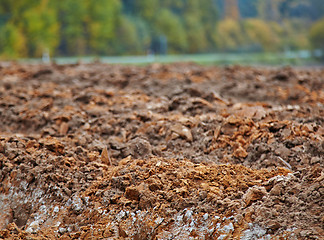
<point x="51" y="28"/>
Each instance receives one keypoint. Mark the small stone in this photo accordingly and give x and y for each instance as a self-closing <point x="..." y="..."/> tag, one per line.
<point x="86" y="126"/>
<point x="188" y="214"/>
<point x="12" y="227"/>
<point x="276" y="190"/>
<point x="138" y="148"/>
<point x="105" y="157"/>
<point x="62" y="230"/>
<point x="182" y="131"/>
<point x="53" y="145"/>
<point x="254" y="194"/>
<point x="2" y="148"/>
<point x="240" y="152"/>
<point x="282" y="151"/>
<point x="273" y="225"/>
<point x="65" y="237"/>
<point x="315" y="160"/>
<point x="108" y="233"/>
<point x="202" y="195"/>
<point x="122" y="232"/>
<point x="93" y="156"/>
<point x="125" y="160"/>
<point x="64" y="127"/>
<point x="155" y="186"/>
<point x="132" y="193"/>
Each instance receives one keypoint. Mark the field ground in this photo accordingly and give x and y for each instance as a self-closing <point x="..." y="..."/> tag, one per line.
<point x="161" y="151"/>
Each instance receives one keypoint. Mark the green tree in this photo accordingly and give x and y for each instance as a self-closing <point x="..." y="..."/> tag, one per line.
<point x="269" y="9"/>
<point x="295" y="34"/>
<point x="72" y="15"/>
<point x="228" y="35"/>
<point x="200" y="18"/>
<point x="101" y="22"/>
<point x="12" y="42"/>
<point x="196" y="35"/>
<point x="31" y="27"/>
<point x="39" y="25"/>
<point x="260" y="33"/>
<point x="316" y="35"/>
<point x="176" y="7"/>
<point x="209" y="19"/>
<point x="147" y="9"/>
<point x="169" y="25"/>
<point x="127" y="40"/>
<point x="143" y="34"/>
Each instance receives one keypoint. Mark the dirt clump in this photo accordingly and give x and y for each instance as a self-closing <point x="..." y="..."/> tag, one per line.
<point x="175" y="151"/>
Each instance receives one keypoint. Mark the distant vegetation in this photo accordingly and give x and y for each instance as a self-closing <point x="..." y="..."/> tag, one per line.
<point x="30" y="28"/>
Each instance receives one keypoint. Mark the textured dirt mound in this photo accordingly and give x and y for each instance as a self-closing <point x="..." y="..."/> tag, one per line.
<point x="193" y="152"/>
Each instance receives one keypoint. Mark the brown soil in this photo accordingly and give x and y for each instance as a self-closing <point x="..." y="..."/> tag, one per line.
<point x="175" y="151"/>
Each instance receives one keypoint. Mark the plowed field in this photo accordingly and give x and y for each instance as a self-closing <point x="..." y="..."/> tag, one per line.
<point x="181" y="151"/>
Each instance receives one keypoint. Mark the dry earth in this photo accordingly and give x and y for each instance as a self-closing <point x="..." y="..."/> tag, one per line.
<point x="194" y="152"/>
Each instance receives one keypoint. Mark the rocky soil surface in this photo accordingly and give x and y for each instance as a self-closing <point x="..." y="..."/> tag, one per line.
<point x="181" y="151"/>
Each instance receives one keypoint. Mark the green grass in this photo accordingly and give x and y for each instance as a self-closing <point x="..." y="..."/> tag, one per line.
<point x="293" y="58"/>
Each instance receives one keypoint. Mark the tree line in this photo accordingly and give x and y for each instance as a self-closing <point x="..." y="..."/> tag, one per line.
<point x="28" y="28"/>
